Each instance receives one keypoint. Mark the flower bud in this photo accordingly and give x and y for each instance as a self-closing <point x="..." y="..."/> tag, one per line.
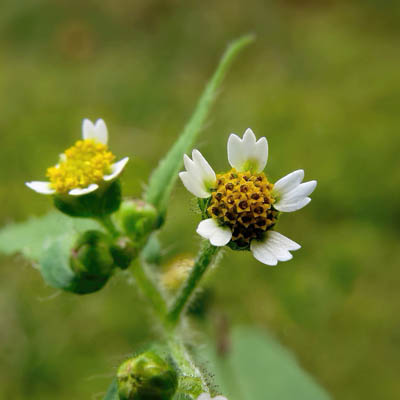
<point x="123" y="251"/>
<point x="101" y="202"/>
<point x="92" y="262"/>
<point x="146" y="377"/>
<point x="137" y="218"/>
<point x="177" y="272"/>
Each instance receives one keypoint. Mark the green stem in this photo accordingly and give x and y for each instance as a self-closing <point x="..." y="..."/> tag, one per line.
<point x="109" y="225"/>
<point x="204" y="259"/>
<point x="184" y="361"/>
<point x="149" y="289"/>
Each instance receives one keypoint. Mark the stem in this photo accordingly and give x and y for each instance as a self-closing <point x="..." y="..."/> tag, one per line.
<point x="109" y="225"/>
<point x="185" y="362"/>
<point x="204" y="259"/>
<point x="150" y="290"/>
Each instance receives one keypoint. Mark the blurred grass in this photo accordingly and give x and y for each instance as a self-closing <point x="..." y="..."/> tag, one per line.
<point x="322" y="83"/>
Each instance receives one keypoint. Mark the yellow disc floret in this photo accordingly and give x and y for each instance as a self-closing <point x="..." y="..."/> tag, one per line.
<point x="83" y="164"/>
<point x="243" y="201"/>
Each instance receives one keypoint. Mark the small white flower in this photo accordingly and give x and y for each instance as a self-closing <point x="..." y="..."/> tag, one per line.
<point x="206" y="396"/>
<point x="83" y="167"/>
<point x="242" y="205"/>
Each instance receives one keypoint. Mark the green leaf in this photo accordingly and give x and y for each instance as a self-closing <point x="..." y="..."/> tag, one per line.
<point x="30" y="237"/>
<point x="112" y="392"/>
<point x="259" y="368"/>
<point x="165" y="175"/>
<point x="54" y="263"/>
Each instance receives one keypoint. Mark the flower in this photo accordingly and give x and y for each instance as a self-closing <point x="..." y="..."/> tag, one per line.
<point x="206" y="396"/>
<point x="241" y="207"/>
<point x="84" y="167"/>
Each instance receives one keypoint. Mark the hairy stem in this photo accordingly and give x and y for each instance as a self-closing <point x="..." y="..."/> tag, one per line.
<point x="184" y="361"/>
<point x="203" y="261"/>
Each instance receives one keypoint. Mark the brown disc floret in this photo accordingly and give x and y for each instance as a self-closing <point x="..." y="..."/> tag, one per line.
<point x="243" y="201"/>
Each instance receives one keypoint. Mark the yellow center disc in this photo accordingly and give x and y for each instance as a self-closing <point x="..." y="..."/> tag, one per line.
<point x="243" y="201"/>
<point x="84" y="163"/>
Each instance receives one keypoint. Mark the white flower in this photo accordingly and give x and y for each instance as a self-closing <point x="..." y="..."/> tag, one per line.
<point x="242" y="205"/>
<point x="206" y="396"/>
<point x="83" y="167"/>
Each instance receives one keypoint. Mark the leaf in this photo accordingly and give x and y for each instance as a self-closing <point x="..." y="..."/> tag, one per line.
<point x="54" y="264"/>
<point x="112" y="392"/>
<point x="165" y="175"/>
<point x="259" y="368"/>
<point x="30" y="237"/>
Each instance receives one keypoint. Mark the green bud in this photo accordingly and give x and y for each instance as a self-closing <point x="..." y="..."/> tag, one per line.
<point x="103" y="201"/>
<point x="137" y="218"/>
<point x="91" y="261"/>
<point x="146" y="377"/>
<point x="123" y="251"/>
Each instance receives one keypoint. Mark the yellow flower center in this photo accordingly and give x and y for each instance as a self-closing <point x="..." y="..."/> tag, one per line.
<point x="243" y="201"/>
<point x="85" y="163"/>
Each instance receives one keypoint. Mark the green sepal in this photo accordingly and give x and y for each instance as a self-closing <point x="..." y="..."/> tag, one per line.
<point x="147" y="376"/>
<point x="137" y="219"/>
<point x="103" y="201"/>
<point x="234" y="246"/>
<point x="203" y="205"/>
<point x="91" y="254"/>
<point x="123" y="251"/>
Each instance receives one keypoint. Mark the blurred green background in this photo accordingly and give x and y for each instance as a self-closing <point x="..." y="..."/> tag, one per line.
<point x="322" y="82"/>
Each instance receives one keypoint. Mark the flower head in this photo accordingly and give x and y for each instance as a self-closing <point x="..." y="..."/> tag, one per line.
<point x="84" y="167"/>
<point x="241" y="207"/>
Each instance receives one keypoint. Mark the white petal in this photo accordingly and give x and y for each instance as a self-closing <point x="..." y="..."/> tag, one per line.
<point x="216" y="234"/>
<point x="273" y="248"/>
<point x="116" y="169"/>
<point x="193" y="185"/>
<point x="292" y="195"/>
<point x="247" y="152"/>
<point x="97" y="131"/>
<point x="288" y="182"/>
<point x="207" y="172"/>
<point x="206" y="228"/>
<point x="301" y="191"/>
<point x="101" y="131"/>
<point x="40" y="187"/>
<point x="81" y="191"/>
<point x="262" y="253"/>
<point x="221" y="236"/>
<point x="290" y="207"/>
<point x="199" y="177"/>
<point x="283" y="240"/>
<point x="220" y="398"/>
<point x="87" y="129"/>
